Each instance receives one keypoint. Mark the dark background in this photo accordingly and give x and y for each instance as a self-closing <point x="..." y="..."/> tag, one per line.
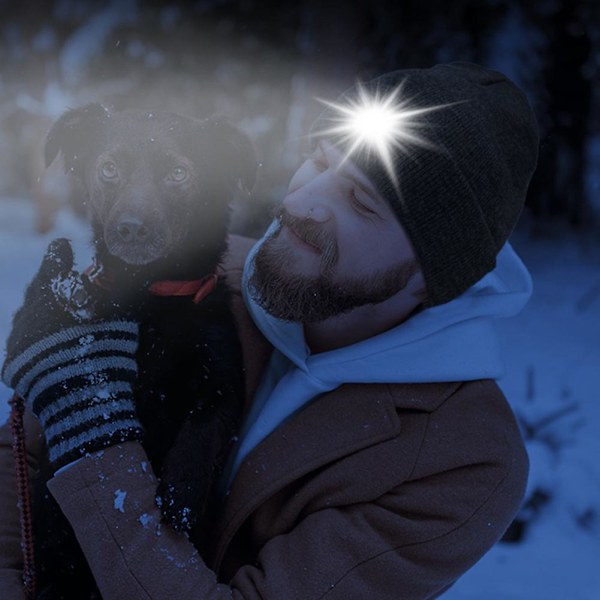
<point x="263" y="62"/>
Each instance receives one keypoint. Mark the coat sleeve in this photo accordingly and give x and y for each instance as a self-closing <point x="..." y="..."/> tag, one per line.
<point x="410" y="543"/>
<point x="11" y="555"/>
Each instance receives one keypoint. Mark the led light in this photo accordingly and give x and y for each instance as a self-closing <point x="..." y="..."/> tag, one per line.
<point x="379" y="123"/>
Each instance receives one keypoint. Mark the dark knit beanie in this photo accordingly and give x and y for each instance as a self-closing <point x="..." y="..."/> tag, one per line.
<point x="459" y="201"/>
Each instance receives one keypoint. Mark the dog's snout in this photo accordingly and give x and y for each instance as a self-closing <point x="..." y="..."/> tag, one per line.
<point x="136" y="240"/>
<point x="132" y="230"/>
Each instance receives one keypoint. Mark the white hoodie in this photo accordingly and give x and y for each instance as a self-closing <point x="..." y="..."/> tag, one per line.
<point x="455" y="341"/>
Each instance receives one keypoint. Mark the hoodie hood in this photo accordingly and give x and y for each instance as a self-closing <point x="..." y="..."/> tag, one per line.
<point x="455" y="341"/>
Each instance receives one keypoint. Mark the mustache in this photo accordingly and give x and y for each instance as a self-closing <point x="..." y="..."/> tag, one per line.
<point x="312" y="233"/>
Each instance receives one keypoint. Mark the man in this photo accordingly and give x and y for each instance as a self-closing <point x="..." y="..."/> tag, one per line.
<point x="378" y="458"/>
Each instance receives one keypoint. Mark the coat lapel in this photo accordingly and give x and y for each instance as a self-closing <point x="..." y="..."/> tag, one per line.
<point x="338" y="423"/>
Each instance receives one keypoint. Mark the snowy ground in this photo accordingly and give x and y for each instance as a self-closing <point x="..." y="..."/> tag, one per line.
<point x="553" y="362"/>
<point x="552" y="352"/>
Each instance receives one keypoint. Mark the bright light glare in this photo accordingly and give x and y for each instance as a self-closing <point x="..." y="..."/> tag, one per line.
<point x="378" y="123"/>
<point x="373" y="124"/>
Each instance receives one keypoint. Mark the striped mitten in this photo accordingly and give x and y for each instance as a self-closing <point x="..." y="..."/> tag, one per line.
<point x="75" y="372"/>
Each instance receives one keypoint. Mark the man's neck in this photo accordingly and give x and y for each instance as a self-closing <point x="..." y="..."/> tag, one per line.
<point x="361" y="323"/>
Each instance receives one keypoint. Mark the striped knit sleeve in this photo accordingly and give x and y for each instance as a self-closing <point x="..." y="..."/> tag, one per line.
<point x="79" y="383"/>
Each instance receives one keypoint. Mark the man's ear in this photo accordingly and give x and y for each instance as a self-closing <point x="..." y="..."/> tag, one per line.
<point x="417" y="286"/>
<point x="73" y="134"/>
<point x="234" y="153"/>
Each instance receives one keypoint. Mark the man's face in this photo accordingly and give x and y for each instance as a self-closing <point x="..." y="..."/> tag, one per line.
<point x="338" y="245"/>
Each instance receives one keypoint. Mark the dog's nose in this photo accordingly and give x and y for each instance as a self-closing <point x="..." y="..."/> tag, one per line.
<point x="132" y="230"/>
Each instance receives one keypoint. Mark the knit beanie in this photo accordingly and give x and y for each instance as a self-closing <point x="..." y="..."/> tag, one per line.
<point x="458" y="198"/>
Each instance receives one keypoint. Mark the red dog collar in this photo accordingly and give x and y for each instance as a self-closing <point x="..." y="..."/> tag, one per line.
<point x="199" y="288"/>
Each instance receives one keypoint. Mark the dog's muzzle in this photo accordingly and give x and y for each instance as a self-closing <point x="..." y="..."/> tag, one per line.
<point x="135" y="242"/>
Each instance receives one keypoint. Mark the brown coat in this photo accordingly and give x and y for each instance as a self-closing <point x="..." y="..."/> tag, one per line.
<point x="372" y="491"/>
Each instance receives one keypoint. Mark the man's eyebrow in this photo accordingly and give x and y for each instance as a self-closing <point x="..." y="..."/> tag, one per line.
<point x="370" y="191"/>
<point x="366" y="188"/>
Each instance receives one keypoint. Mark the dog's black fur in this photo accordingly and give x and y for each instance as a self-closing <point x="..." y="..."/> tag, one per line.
<point x="158" y="188"/>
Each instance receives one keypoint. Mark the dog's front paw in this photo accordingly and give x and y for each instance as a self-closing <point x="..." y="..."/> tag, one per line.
<point x="179" y="502"/>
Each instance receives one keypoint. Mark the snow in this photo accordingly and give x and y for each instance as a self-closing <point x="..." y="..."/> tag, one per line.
<point x="146" y="520"/>
<point x="119" y="504"/>
<point x="553" y="368"/>
<point x="552" y="354"/>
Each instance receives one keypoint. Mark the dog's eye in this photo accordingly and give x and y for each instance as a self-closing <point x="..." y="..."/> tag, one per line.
<point x="109" y="170"/>
<point x="178" y="174"/>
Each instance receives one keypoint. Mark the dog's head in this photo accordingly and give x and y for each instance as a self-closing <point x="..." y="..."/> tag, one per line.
<point x="158" y="185"/>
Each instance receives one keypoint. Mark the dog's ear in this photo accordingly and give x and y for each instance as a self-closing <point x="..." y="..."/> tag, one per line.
<point x="73" y="133"/>
<point x="234" y="152"/>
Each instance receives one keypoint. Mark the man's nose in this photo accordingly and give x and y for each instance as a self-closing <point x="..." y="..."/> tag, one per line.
<point x="305" y="204"/>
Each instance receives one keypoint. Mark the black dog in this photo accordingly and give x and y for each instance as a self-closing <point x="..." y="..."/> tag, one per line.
<point x="158" y="188"/>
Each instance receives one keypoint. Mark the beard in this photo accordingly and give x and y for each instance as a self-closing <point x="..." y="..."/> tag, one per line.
<point x="311" y="298"/>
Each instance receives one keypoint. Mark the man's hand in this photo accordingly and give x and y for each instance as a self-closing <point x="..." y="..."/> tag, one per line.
<point x="75" y="371"/>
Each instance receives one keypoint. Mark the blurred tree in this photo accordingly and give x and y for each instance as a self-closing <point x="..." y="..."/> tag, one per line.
<point x="263" y="63"/>
<point x="558" y="188"/>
